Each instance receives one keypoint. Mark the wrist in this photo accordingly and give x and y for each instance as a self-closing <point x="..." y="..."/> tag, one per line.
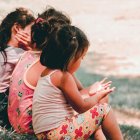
<point x="91" y="91"/>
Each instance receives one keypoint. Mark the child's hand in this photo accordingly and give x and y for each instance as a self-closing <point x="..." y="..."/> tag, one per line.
<point x="99" y="86"/>
<point x="24" y="40"/>
<point x="103" y="93"/>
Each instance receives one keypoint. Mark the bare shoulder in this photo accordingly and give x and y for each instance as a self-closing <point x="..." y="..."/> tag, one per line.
<point x="66" y="76"/>
<point x="57" y="77"/>
<point x="60" y="78"/>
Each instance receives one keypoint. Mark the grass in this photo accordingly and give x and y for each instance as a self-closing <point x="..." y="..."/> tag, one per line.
<point x="129" y="133"/>
<point x="126" y="97"/>
<point x="127" y="94"/>
<point x="11" y="135"/>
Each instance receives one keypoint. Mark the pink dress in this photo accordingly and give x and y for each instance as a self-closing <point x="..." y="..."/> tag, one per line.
<point x="21" y="94"/>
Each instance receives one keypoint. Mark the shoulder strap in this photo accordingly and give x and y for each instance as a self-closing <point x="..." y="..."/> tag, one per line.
<point x="52" y="72"/>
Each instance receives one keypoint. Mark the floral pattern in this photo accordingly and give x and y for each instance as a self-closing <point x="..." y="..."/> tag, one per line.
<point x="79" y="127"/>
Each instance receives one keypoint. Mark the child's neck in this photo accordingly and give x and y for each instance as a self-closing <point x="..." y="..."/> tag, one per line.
<point x="13" y="43"/>
<point x="46" y="72"/>
<point x="36" y="49"/>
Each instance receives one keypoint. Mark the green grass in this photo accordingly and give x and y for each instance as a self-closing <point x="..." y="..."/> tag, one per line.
<point x="126" y="97"/>
<point x="130" y="132"/>
<point x="127" y="94"/>
<point x="10" y="135"/>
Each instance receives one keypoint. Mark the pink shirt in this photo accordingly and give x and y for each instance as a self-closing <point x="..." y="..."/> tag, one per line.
<point x="21" y="94"/>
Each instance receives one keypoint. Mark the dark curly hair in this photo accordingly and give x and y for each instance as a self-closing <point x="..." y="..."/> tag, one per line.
<point x="20" y="16"/>
<point x="66" y="43"/>
<point x="49" y="20"/>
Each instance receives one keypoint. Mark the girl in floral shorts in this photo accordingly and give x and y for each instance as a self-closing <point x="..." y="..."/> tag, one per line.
<point x="56" y="96"/>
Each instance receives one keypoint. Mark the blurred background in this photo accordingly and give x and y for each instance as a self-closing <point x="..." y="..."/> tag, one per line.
<point x="113" y="28"/>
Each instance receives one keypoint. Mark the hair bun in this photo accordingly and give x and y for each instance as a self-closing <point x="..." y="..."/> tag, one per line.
<point x="39" y="20"/>
<point x="40" y="31"/>
<point x="42" y="25"/>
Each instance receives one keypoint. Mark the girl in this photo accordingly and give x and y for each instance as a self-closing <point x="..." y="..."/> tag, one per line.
<point x="57" y="96"/>
<point x="28" y="70"/>
<point x="16" y="21"/>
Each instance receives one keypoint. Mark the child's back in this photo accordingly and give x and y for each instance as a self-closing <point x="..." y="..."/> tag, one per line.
<point x="50" y="107"/>
<point x="21" y="94"/>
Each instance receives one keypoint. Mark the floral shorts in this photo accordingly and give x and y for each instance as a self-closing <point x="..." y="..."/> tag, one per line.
<point x="79" y="127"/>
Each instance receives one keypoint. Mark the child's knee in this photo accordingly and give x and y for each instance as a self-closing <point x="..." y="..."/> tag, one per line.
<point x="102" y="109"/>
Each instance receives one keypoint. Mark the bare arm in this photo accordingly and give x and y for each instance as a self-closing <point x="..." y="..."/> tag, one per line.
<point x="78" y="83"/>
<point x="94" y="88"/>
<point x="73" y="95"/>
<point x="83" y="91"/>
<point x="91" y="90"/>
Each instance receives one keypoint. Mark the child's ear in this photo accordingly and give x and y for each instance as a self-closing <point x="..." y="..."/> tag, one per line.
<point x="16" y="28"/>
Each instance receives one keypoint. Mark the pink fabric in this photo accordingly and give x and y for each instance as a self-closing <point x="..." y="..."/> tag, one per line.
<point x="20" y="95"/>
